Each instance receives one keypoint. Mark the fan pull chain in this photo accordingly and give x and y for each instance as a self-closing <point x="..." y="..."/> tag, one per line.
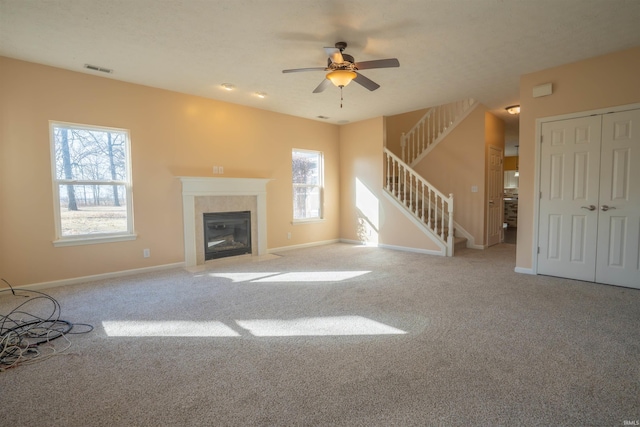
<point x="341" y="96"/>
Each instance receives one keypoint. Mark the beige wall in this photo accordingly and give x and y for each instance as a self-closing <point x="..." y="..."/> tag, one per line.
<point x="366" y="214"/>
<point x="171" y="135"/>
<point x="399" y="123"/>
<point x="592" y="84"/>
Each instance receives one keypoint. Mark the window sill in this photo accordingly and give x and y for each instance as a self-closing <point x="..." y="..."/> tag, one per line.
<point x="307" y="221"/>
<point x="93" y="240"/>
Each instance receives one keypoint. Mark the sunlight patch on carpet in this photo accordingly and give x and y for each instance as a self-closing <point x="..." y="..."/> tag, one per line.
<point x="317" y="326"/>
<point x="242" y="277"/>
<point x="295" y="276"/>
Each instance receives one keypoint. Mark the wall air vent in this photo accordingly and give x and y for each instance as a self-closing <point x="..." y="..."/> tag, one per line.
<point x="96" y="68"/>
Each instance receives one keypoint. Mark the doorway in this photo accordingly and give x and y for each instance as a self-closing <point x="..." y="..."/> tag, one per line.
<point x="589" y="211"/>
<point x="495" y="190"/>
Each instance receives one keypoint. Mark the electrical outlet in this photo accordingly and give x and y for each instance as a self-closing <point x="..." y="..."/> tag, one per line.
<point x="220" y="169"/>
<point x="216" y="169"/>
<point x="146" y="253"/>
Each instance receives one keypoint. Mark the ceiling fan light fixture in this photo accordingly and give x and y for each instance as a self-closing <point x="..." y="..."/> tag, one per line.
<point x="341" y="78"/>
<point x="227" y="86"/>
<point x="513" y="109"/>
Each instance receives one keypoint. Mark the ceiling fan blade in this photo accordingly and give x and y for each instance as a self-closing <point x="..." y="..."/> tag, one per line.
<point x="334" y="54"/>
<point x="297" y="70"/>
<point x="369" y="84"/>
<point x="322" y="86"/>
<point x="378" y="63"/>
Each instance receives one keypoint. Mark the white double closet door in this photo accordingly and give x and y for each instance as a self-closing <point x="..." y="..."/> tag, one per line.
<point x="589" y="217"/>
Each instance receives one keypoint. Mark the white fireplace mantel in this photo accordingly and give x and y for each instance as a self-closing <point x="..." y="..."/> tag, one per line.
<point x="193" y="187"/>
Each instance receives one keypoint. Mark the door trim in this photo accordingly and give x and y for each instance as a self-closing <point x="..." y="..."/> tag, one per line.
<point x="537" y="165"/>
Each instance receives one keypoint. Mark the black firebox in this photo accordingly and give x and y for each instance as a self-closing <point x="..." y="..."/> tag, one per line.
<point x="227" y="234"/>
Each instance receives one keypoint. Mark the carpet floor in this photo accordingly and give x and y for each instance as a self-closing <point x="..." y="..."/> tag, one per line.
<point x="337" y="335"/>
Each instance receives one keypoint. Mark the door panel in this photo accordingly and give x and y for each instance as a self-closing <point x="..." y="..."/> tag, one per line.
<point x="569" y="187"/>
<point x="579" y="234"/>
<point x="618" y="246"/>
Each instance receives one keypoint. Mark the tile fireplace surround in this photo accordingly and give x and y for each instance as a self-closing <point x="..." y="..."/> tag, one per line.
<point x="202" y="194"/>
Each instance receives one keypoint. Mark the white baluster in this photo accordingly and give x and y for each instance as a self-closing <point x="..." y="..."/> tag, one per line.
<point x="429" y="208"/>
<point x="403" y="143"/>
<point x="410" y="205"/>
<point x="393" y="176"/>
<point x="422" y="188"/>
<point x="396" y="178"/>
<point x="388" y="175"/>
<point x="451" y="234"/>
<point x="404" y="185"/>
<point x="442" y="220"/>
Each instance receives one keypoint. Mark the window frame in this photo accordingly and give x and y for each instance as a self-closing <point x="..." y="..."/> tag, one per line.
<point x="93" y="238"/>
<point x="320" y="187"/>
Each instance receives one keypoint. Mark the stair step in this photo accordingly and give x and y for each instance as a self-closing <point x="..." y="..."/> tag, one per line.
<point x="459" y="243"/>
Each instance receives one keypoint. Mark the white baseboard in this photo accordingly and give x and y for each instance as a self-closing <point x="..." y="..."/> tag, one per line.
<point x="394" y="247"/>
<point x="524" y="270"/>
<point x="304" y="245"/>
<point x="85" y="279"/>
<point x="416" y="250"/>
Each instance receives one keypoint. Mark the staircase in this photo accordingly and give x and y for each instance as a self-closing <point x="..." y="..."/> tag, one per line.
<point x="432" y="128"/>
<point x="430" y="209"/>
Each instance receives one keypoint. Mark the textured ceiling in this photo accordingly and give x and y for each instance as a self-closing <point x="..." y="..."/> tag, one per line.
<point x="448" y="49"/>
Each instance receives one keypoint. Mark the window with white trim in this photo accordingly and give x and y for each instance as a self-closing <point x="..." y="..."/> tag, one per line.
<point x="308" y="171"/>
<point x="91" y="168"/>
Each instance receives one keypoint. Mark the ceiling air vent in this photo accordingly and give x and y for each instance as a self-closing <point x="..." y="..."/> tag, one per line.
<point x="96" y="68"/>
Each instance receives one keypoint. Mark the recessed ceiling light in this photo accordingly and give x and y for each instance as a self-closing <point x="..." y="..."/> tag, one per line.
<point x="261" y="94"/>
<point x="228" y="86"/>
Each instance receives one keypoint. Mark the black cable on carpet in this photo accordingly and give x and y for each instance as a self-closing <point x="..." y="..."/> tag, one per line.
<point x="27" y="331"/>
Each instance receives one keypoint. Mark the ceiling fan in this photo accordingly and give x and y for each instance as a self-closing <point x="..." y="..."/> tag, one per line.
<point x="343" y="68"/>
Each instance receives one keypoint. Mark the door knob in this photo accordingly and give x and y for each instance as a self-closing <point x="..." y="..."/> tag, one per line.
<point x="605" y="208"/>
<point x="590" y="207"/>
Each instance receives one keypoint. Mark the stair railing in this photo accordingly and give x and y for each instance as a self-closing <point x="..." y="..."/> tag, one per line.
<point x="420" y="198"/>
<point x="431" y="127"/>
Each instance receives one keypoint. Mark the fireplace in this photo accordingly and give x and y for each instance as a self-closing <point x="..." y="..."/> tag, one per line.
<point x="206" y="194"/>
<point x="226" y="234"/>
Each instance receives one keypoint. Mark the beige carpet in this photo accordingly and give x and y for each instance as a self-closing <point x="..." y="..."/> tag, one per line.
<point x="338" y="335"/>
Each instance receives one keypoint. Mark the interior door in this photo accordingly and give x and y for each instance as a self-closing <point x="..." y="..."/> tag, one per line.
<point x="618" y="253"/>
<point x="495" y="188"/>
<point x="569" y="186"/>
<point x="589" y="220"/>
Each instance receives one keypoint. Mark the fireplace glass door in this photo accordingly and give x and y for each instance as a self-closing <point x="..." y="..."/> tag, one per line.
<point x="227" y="234"/>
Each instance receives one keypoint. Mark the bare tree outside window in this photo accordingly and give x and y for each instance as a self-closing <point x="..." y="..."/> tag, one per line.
<point x="91" y="171"/>
<point x="307" y="171"/>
